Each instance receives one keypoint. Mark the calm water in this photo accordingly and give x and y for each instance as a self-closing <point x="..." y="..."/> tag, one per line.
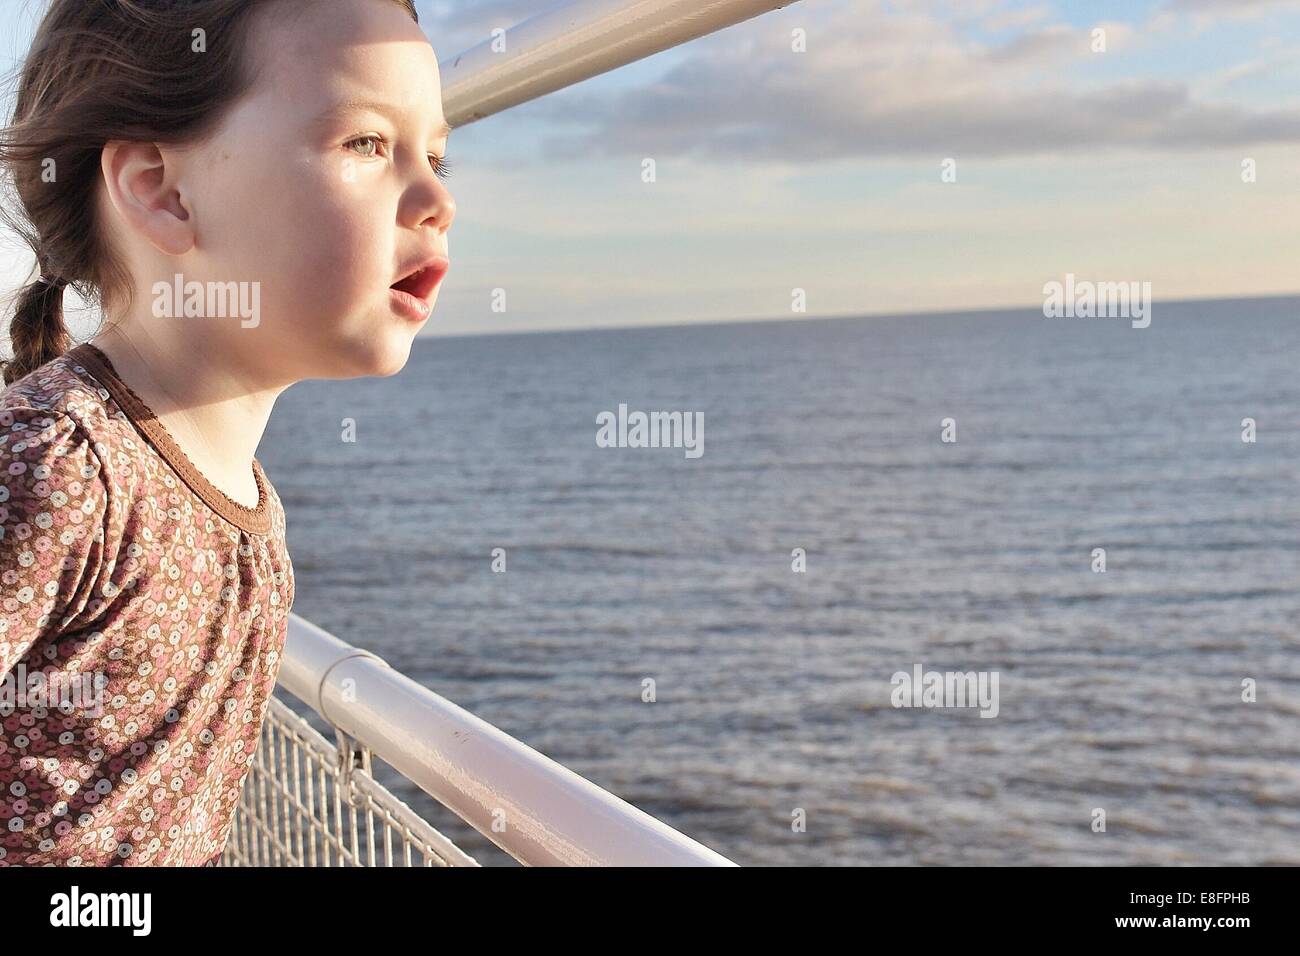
<point x="1119" y="690"/>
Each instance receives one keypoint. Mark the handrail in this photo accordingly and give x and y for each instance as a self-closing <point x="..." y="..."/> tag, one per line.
<point x="573" y="42"/>
<point x="535" y="809"/>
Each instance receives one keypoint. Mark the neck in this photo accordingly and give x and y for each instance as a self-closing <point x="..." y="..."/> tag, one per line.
<point x="214" y="410"/>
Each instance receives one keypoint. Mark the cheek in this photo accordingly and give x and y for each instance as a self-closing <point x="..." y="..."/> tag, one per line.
<point x="314" y="241"/>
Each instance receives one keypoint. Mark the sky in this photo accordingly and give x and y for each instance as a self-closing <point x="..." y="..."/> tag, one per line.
<point x="823" y="170"/>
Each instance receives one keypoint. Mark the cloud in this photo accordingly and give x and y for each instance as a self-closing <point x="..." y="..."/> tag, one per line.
<point x="1228" y="7"/>
<point x="1019" y="17"/>
<point x="1037" y="45"/>
<point x="876" y="83"/>
<point x="1204" y="14"/>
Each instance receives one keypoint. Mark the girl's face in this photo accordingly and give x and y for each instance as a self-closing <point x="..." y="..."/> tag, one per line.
<point x="323" y="185"/>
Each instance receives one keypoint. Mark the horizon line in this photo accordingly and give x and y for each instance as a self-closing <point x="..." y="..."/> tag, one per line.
<point x="833" y="316"/>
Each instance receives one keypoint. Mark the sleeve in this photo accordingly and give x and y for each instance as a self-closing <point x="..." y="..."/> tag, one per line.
<point x="293" y="586"/>
<point x="53" y="504"/>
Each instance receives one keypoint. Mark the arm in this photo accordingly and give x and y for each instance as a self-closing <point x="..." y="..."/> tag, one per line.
<point x="53" y="505"/>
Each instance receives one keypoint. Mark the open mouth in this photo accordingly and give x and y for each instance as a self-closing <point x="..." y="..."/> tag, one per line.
<point x="422" y="282"/>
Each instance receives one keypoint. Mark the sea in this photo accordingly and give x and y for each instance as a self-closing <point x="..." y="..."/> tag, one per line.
<point x="1104" y="517"/>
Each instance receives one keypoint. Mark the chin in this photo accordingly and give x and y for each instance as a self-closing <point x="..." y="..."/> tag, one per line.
<point x="393" y="359"/>
<point x="380" y="356"/>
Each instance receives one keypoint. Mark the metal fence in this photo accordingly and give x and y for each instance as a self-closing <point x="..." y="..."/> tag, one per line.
<point x="307" y="802"/>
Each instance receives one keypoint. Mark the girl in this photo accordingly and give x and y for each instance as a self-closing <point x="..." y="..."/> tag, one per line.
<point x="252" y="192"/>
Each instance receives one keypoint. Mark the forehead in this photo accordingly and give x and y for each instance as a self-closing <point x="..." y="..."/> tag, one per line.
<point x="317" y="53"/>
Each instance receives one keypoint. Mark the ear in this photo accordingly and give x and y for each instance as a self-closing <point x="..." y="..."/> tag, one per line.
<point x="141" y="182"/>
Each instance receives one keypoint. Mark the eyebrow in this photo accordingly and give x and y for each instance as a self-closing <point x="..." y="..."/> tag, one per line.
<point x="358" y="105"/>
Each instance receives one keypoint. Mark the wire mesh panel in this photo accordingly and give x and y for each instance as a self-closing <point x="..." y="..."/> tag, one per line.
<point x="307" y="802"/>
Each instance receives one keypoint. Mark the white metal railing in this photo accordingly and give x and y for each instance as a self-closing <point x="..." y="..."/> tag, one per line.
<point x="307" y="802"/>
<point x="574" y="41"/>
<point x="535" y="809"/>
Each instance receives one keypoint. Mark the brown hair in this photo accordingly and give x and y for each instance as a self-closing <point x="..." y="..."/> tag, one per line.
<point x="99" y="71"/>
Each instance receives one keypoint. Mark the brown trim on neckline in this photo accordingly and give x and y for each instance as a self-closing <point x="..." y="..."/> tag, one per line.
<point x="253" y="520"/>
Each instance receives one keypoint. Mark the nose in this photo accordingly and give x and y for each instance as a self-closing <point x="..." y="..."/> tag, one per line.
<point x="430" y="203"/>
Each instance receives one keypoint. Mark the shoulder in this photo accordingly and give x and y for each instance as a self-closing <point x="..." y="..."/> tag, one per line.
<point x="66" y="396"/>
<point x="54" y="504"/>
<point x="50" y="423"/>
<point x="51" y="475"/>
<point x="61" y="390"/>
<point x="42" y="446"/>
<point x="51" y="446"/>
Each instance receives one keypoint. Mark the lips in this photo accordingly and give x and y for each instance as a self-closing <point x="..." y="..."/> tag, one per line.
<point x="421" y="279"/>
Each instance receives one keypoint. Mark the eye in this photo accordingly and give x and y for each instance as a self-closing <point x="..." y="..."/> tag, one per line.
<point x="373" y="138"/>
<point x="441" y="168"/>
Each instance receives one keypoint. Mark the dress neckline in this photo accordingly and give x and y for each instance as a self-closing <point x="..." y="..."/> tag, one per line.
<point x="253" y="520"/>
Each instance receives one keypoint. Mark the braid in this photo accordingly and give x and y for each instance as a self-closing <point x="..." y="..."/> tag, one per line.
<point x="37" y="332"/>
